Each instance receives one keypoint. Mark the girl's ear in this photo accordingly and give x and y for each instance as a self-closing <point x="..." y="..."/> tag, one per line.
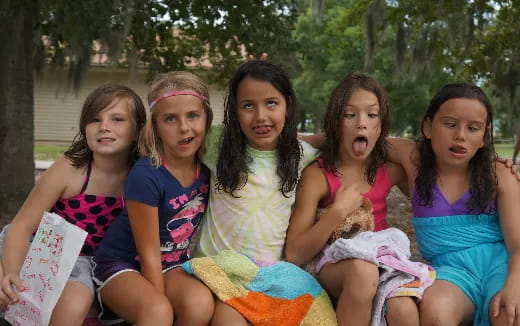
<point x="427" y="128"/>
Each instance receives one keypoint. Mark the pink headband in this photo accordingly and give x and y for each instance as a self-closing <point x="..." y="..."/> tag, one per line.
<point x="175" y="93"/>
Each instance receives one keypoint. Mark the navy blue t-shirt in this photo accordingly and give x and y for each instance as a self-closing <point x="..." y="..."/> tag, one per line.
<point x="180" y="212"/>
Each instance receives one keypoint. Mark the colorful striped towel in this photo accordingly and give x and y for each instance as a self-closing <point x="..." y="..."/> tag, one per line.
<point x="279" y="294"/>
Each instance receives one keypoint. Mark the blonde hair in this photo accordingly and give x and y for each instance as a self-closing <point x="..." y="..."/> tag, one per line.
<point x="150" y="144"/>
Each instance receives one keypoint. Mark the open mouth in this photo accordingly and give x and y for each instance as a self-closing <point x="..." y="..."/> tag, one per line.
<point x="186" y="141"/>
<point x="360" y="145"/>
<point x="458" y="149"/>
<point x="262" y="130"/>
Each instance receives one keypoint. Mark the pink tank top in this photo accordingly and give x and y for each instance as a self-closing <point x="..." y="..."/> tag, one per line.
<point x="91" y="213"/>
<point x="377" y="194"/>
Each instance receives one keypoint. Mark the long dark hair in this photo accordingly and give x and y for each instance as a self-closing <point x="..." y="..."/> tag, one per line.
<point x="233" y="160"/>
<point x="333" y="122"/>
<point x="483" y="180"/>
<point x="79" y="153"/>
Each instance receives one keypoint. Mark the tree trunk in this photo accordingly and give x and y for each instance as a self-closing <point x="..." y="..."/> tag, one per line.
<point x="16" y="101"/>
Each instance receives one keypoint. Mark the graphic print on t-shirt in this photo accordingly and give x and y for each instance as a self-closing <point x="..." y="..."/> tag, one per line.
<point x="189" y="211"/>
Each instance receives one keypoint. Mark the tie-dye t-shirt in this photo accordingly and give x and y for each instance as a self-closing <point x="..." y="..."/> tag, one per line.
<point x="255" y="224"/>
<point x="180" y="212"/>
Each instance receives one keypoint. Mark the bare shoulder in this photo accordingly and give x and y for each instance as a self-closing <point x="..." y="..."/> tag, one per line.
<point x="313" y="180"/>
<point x="395" y="172"/>
<point x="62" y="173"/>
<point x="504" y="176"/>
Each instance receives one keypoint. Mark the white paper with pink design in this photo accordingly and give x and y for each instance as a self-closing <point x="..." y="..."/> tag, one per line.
<point x="47" y="267"/>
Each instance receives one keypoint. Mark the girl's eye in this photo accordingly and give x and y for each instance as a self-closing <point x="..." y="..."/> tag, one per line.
<point x="118" y="119"/>
<point x="373" y="115"/>
<point x="349" y="115"/>
<point x="95" y="120"/>
<point x="193" y="115"/>
<point x="474" y="128"/>
<point x="449" y="124"/>
<point x="248" y="106"/>
<point x="170" y="118"/>
<point x="271" y="103"/>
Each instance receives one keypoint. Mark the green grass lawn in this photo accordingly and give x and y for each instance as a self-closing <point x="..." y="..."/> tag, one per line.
<point x="505" y="150"/>
<point x="48" y="152"/>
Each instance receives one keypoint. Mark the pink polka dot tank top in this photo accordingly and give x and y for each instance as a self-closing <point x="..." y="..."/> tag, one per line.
<point x="92" y="213"/>
<point x="377" y="194"/>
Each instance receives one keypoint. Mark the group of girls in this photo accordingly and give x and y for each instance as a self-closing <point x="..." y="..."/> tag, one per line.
<point x="464" y="204"/>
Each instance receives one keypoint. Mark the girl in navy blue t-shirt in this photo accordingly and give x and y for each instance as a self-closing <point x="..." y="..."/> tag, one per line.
<point x="166" y="194"/>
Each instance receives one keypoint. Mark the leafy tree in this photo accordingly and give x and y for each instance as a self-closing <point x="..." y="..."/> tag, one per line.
<point x="161" y="34"/>
<point x="413" y="47"/>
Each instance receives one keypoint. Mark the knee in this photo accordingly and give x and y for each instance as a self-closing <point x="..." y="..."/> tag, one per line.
<point x="402" y="308"/>
<point x="198" y="307"/>
<point x="435" y="315"/>
<point x="157" y="307"/>
<point x="361" y="280"/>
<point x="71" y="308"/>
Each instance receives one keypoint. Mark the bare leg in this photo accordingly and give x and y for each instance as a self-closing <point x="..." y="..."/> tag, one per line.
<point x="191" y="300"/>
<point x="402" y="311"/>
<point x="135" y="299"/>
<point x="353" y="283"/>
<point x="444" y="303"/>
<point x="73" y="305"/>
<point x="225" y="315"/>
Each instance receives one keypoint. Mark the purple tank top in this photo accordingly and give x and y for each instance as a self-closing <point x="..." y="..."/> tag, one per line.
<point x="442" y="207"/>
<point x="92" y="213"/>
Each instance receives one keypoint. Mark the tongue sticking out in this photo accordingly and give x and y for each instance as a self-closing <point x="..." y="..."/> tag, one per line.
<point x="359" y="146"/>
<point x="262" y="130"/>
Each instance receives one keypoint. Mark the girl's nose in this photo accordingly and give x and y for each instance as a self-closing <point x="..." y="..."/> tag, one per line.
<point x="105" y="124"/>
<point x="361" y="122"/>
<point x="260" y="114"/>
<point x="184" y="126"/>
<point x="461" y="133"/>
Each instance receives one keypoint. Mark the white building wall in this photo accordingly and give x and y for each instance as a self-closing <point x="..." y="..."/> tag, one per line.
<point x="58" y="106"/>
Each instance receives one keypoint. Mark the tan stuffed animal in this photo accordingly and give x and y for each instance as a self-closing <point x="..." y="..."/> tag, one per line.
<point x="360" y="220"/>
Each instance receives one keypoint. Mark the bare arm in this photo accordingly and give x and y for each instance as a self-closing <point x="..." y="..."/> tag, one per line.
<point x="402" y="151"/>
<point x="304" y="237"/>
<point x="144" y="221"/>
<point x="398" y="177"/>
<point x="49" y="188"/>
<point x="315" y="140"/>
<point x="508" y="299"/>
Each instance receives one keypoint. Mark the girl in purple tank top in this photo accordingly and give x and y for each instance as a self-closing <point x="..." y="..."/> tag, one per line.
<point x="465" y="209"/>
<point x="85" y="187"/>
<point x="353" y="165"/>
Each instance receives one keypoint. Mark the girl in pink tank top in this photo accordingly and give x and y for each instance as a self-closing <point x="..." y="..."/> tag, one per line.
<point x="85" y="187"/>
<point x="353" y="165"/>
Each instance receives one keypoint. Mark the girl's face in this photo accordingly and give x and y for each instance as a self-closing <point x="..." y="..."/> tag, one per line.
<point x="261" y="110"/>
<point x="112" y="130"/>
<point x="361" y="125"/>
<point x="457" y="131"/>
<point x="181" y="125"/>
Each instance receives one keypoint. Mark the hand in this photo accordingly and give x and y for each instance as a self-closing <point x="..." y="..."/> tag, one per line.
<point x="510" y="164"/>
<point x="263" y="57"/>
<point x="505" y="306"/>
<point x="347" y="200"/>
<point x="7" y="295"/>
